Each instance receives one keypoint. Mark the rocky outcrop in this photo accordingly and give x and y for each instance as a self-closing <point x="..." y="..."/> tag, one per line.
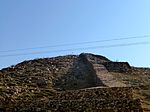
<point x="66" y="83"/>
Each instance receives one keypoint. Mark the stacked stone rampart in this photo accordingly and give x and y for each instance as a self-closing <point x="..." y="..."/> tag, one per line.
<point x="95" y="99"/>
<point x="62" y="84"/>
<point x="116" y="99"/>
<point x="94" y="105"/>
<point x="95" y="93"/>
<point x="117" y="66"/>
<point x="85" y="100"/>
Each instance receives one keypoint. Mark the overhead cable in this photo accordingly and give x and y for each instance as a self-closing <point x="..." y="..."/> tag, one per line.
<point x="73" y="44"/>
<point x="76" y="49"/>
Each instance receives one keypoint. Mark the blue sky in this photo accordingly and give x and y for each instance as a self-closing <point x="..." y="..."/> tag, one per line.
<point x="34" y="23"/>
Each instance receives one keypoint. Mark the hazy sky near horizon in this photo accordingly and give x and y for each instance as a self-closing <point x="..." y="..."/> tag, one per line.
<point x="35" y="23"/>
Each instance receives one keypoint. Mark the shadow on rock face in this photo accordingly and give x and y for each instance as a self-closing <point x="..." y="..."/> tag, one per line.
<point x="80" y="75"/>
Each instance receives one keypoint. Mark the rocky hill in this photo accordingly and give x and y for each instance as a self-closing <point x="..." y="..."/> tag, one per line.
<point x="84" y="82"/>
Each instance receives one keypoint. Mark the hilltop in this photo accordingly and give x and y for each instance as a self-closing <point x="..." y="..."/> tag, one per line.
<point x="31" y="84"/>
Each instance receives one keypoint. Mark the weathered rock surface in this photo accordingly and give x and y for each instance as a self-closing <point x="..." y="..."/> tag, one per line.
<point x="84" y="82"/>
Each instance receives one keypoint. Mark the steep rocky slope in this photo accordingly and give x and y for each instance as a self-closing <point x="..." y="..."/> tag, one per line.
<point x="36" y="85"/>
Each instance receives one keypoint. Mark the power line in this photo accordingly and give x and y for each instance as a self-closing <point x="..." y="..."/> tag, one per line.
<point x="79" y="43"/>
<point x="86" y="48"/>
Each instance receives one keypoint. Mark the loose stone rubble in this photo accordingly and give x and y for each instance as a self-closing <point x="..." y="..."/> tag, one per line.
<point x="84" y="82"/>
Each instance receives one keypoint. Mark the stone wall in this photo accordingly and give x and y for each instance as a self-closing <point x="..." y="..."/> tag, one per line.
<point x="84" y="100"/>
<point x="95" y="58"/>
<point x="95" y="93"/>
<point x="117" y="66"/>
<point x="95" y="105"/>
<point x="38" y="85"/>
<point x="92" y="105"/>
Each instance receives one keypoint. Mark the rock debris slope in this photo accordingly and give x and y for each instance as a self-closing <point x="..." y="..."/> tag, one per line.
<point x="84" y="82"/>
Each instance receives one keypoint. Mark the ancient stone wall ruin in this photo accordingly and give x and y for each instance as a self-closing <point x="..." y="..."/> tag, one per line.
<point x="95" y="93"/>
<point x="95" y="105"/>
<point x="117" y="66"/>
<point x="66" y="84"/>
<point x="87" y="100"/>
